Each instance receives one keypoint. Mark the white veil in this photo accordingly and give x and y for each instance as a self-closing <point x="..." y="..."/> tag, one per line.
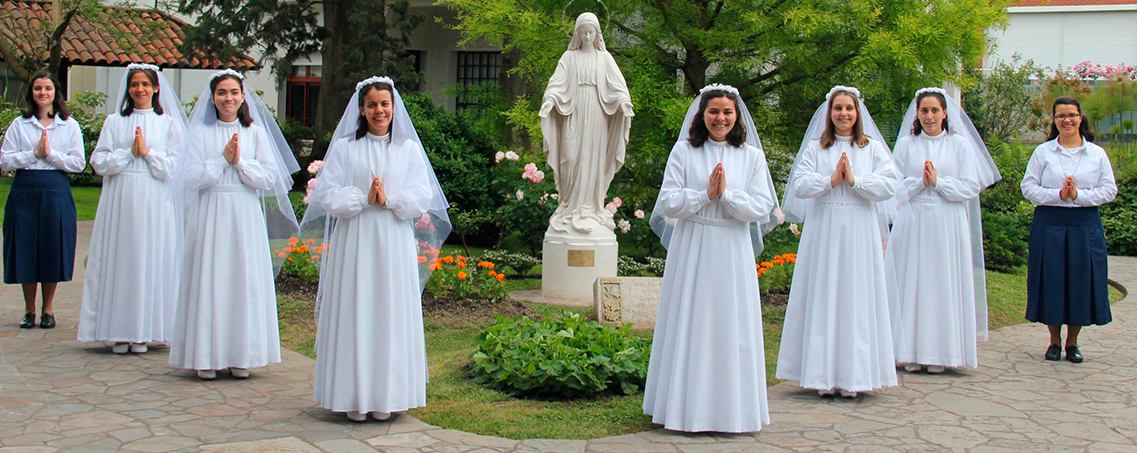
<point x="280" y="218"/>
<point x="430" y="230"/>
<point x="796" y="208"/>
<point x="167" y="97"/>
<point x="664" y="226"/>
<point x="960" y="124"/>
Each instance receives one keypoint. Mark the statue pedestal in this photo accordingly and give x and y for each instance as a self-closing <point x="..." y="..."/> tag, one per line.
<point x="571" y="263"/>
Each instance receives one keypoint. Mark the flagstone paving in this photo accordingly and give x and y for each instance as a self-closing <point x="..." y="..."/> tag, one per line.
<point x="59" y="395"/>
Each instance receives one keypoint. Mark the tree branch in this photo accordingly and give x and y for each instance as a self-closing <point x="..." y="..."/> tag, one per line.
<point x="57" y="41"/>
<point x="8" y="53"/>
<point x="672" y="63"/>
<point x="806" y="75"/>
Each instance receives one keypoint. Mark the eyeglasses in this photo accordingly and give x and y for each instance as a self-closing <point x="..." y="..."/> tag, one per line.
<point x="1067" y="116"/>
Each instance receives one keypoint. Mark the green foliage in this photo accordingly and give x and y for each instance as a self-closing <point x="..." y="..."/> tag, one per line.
<point x="1006" y="214"/>
<point x="454" y="278"/>
<point x="999" y="105"/>
<point x="1119" y="219"/>
<point x="775" y="276"/>
<point x="520" y="262"/>
<point x="460" y="153"/>
<point x="560" y="357"/>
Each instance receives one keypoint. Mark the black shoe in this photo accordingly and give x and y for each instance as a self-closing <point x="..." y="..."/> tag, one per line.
<point x="1054" y="352"/>
<point x="47" y="321"/>
<point x="29" y="321"/>
<point x="1073" y="354"/>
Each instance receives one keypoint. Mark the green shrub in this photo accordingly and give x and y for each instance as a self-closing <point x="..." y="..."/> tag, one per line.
<point x="460" y="153"/>
<point x="1004" y="240"/>
<point x="520" y="262"/>
<point x="562" y="357"/>
<point x="1006" y="214"/>
<point x="1119" y="219"/>
<point x="776" y="275"/>
<point x="628" y="267"/>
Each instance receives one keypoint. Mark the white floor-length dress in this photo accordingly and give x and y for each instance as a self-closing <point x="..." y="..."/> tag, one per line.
<point x="707" y="369"/>
<point x="934" y="273"/>
<point x="370" y="347"/>
<point x="837" y="331"/>
<point x="227" y="304"/>
<point x="130" y="289"/>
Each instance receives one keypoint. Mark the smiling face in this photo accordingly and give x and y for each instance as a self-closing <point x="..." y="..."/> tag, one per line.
<point x="1068" y="119"/>
<point x="43" y="92"/>
<point x="141" y="90"/>
<point x="843" y="113"/>
<point x="931" y="114"/>
<point x="377" y="109"/>
<point x="720" y="115"/>
<point x="228" y="98"/>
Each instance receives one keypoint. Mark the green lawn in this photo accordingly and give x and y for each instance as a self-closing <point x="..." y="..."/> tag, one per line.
<point x="86" y="199"/>
<point x="455" y="402"/>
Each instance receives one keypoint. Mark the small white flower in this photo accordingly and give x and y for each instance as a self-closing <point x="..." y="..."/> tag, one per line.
<point x="639" y="213"/>
<point x="520" y="195"/>
<point x="498" y="157"/>
<point x="512" y="156"/>
<point x="624" y="225"/>
<point x="555" y="196"/>
<point x="611" y="207"/>
<point x="781" y="216"/>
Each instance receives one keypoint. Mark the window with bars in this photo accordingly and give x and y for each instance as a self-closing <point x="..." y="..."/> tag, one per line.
<point x="474" y="69"/>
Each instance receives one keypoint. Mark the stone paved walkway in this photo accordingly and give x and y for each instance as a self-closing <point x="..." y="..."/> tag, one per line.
<point x="59" y="395"/>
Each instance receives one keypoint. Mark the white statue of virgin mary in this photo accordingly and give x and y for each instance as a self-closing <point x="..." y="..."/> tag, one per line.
<point x="585" y="116"/>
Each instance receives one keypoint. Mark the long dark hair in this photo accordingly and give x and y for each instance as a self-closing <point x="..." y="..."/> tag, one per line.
<point x="58" y="105"/>
<point x="1083" y="126"/>
<point x="698" y="134"/>
<point x="917" y="126"/>
<point x="242" y="112"/>
<point x="128" y="104"/>
<point x="361" y="131"/>
<point x="829" y="137"/>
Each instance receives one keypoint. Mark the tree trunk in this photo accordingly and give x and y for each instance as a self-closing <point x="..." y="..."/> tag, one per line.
<point x="332" y="98"/>
<point x="695" y="70"/>
<point x="513" y="86"/>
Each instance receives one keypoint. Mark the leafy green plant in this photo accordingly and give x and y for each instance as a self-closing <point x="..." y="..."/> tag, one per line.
<point x="521" y="263"/>
<point x="560" y="357"/>
<point x="776" y="275"/>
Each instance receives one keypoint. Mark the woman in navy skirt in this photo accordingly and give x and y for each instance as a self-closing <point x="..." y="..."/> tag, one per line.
<point x="41" y="146"/>
<point x="1067" y="179"/>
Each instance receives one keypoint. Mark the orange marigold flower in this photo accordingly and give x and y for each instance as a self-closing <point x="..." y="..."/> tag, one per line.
<point x="448" y="259"/>
<point x="309" y="260"/>
<point x="281" y="254"/>
<point x="767" y="264"/>
<point x="462" y="258"/>
<point x="421" y="259"/>
<point x="462" y="264"/>
<point x="757" y="266"/>
<point x="492" y="273"/>
<point x="293" y="241"/>
<point x="290" y="258"/>
<point x="288" y="249"/>
<point x="779" y="261"/>
<point x="434" y="267"/>
<point x="791" y="259"/>
<point x="461" y="275"/>
<point x="501" y="278"/>
<point x="311" y="241"/>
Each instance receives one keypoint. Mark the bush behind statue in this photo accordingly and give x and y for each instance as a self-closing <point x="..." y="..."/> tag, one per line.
<point x="560" y="357"/>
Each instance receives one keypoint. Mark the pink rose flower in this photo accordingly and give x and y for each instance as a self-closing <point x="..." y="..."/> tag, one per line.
<point x="639" y="213"/>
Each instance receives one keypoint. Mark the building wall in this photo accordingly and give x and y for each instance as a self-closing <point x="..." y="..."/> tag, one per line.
<point x="1064" y="36"/>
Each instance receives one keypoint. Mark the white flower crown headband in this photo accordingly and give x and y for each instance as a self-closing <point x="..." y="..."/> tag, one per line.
<point x="146" y="66"/>
<point x="937" y="90"/>
<point x="227" y="72"/>
<point x="842" y="89"/>
<point x="720" y="87"/>
<point x="374" y="79"/>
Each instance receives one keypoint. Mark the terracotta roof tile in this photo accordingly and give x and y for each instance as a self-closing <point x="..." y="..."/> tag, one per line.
<point x="128" y="35"/>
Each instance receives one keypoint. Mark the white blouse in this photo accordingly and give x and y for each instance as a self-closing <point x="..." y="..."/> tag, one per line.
<point x="1051" y="164"/>
<point x="64" y="137"/>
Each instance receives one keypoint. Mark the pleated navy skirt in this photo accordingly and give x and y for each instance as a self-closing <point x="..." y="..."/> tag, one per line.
<point x="1067" y="268"/>
<point x="39" y="228"/>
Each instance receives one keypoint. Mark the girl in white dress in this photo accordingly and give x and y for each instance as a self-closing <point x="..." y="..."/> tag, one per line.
<point x="130" y="291"/>
<point x="235" y="175"/>
<point x="375" y="186"/>
<point x="939" y="289"/>
<point x="837" y="334"/>
<point x="707" y="370"/>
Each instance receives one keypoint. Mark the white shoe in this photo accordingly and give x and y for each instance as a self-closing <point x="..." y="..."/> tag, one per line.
<point x="356" y="416"/>
<point x="381" y="416"/>
<point x="912" y="367"/>
<point x="120" y="348"/>
<point x="240" y="373"/>
<point x="935" y="369"/>
<point x="207" y="375"/>
<point x="139" y="348"/>
<point x="825" y="393"/>
<point x="848" y="394"/>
